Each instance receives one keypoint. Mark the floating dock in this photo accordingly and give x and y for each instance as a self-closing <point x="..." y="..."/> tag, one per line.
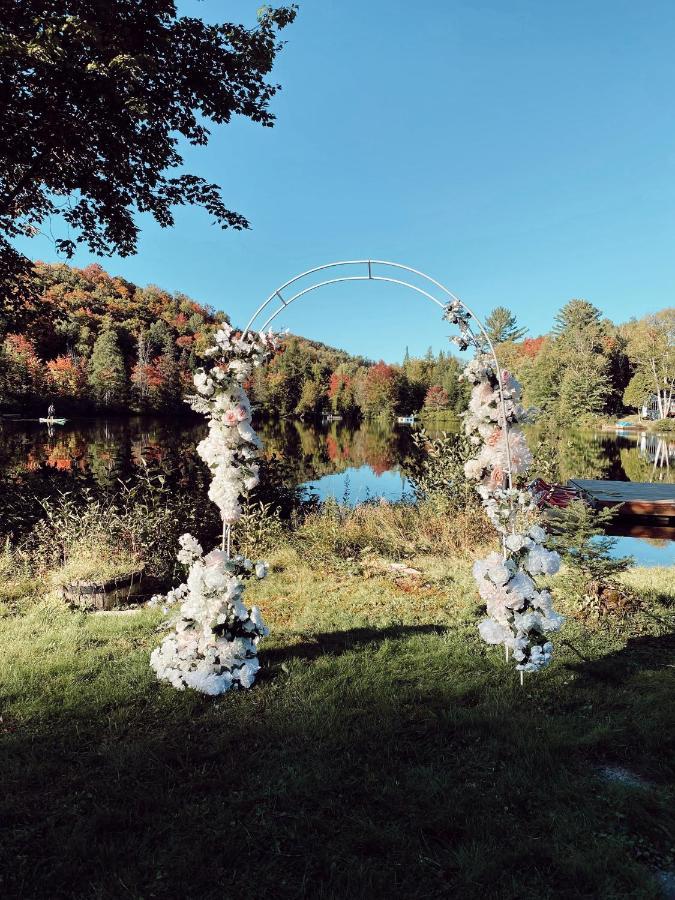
<point x="635" y="499"/>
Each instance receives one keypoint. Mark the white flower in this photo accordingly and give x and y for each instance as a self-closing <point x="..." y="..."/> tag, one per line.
<point x="214" y="578"/>
<point x="473" y="469"/>
<point x="208" y="682"/>
<point x="499" y="573"/>
<point x="492" y="632"/>
<point x="540" y="561"/>
<point x="190" y="550"/>
<point x="203" y="383"/>
<point x="553" y="621"/>
<point x="246" y="674"/>
<point x="517" y="542"/>
<point x="240" y="369"/>
<point x="538" y="534"/>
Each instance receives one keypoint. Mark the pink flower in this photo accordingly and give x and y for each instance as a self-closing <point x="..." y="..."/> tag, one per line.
<point x="241" y="413"/>
<point x="230" y="417"/>
<point x="494" y="438"/>
<point x="215" y="558"/>
<point x="496" y="479"/>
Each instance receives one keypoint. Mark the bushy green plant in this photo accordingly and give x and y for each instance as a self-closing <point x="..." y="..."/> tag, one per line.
<point x="143" y="520"/>
<point x="545" y="457"/>
<point x="579" y="536"/>
<point x="437" y="469"/>
<point x="258" y="530"/>
<point x="665" y="425"/>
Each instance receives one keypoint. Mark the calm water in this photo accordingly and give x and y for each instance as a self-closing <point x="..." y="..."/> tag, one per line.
<point x="333" y="460"/>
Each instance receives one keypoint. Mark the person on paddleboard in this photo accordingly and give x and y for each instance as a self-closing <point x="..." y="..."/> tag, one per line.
<point x="51" y="411"/>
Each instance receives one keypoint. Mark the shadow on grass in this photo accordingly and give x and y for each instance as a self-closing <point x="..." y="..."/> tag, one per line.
<point x="644" y="653"/>
<point x="335" y="643"/>
<point x="360" y="774"/>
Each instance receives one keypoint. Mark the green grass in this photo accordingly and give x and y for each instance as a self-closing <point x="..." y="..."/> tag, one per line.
<point x="384" y="752"/>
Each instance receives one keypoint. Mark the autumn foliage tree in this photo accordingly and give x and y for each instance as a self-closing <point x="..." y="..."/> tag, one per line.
<point x="341" y="391"/>
<point x="21" y="370"/>
<point x="95" y="98"/>
<point x="380" y="390"/>
<point x="67" y="378"/>
<point x="436" y="398"/>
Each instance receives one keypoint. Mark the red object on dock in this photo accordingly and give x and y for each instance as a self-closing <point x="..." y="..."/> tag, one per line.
<point x="553" y="495"/>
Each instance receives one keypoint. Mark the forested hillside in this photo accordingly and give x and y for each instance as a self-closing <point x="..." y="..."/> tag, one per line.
<point x="95" y="342"/>
<point x="98" y="341"/>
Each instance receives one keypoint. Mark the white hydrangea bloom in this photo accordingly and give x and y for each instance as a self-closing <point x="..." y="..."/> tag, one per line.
<point x="540" y="561"/>
<point x="492" y="632"/>
<point x="190" y="549"/>
<point x="473" y="469"/>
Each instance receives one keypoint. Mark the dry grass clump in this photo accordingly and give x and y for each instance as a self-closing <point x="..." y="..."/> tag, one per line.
<point x="96" y="560"/>
<point x="393" y="530"/>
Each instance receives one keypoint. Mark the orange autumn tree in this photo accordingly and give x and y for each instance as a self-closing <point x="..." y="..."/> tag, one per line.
<point x="21" y="371"/>
<point x="66" y="377"/>
<point x="380" y="389"/>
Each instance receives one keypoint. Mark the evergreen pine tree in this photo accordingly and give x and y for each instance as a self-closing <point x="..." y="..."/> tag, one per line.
<point x="169" y="370"/>
<point x="107" y="372"/>
<point x="578" y="534"/>
<point x="502" y="326"/>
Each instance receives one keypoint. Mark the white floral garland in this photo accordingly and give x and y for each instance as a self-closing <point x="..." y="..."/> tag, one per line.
<point x="214" y="645"/>
<point x="520" y="616"/>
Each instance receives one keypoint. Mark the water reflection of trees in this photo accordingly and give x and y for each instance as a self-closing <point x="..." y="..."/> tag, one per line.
<point x="575" y="454"/>
<point x="651" y="458"/>
<point x="600" y="455"/>
<point x="313" y="451"/>
<point x="96" y="454"/>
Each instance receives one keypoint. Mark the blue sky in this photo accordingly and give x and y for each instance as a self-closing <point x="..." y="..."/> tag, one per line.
<point x="521" y="152"/>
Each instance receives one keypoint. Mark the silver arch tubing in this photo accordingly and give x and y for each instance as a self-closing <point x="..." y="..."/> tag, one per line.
<point x="281" y="295"/>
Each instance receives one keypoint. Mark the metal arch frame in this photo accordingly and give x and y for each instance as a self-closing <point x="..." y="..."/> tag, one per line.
<point x="386" y="278"/>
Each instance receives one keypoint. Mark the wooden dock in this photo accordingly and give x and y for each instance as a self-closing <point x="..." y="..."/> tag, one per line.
<point x="635" y="499"/>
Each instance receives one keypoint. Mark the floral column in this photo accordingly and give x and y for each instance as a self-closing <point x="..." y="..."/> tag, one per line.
<point x="214" y="645"/>
<point x="520" y="615"/>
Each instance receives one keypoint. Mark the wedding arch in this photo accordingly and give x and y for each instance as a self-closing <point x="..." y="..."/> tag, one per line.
<point x="374" y="267"/>
<point x="213" y="646"/>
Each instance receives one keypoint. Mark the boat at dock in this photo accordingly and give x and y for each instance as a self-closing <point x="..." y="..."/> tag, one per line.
<point x="633" y="499"/>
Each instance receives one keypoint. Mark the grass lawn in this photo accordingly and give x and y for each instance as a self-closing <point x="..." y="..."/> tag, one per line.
<point x="384" y="752"/>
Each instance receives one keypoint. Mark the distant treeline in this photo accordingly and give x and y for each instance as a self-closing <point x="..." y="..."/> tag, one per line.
<point x="92" y="341"/>
<point x="588" y="367"/>
<point x="97" y="342"/>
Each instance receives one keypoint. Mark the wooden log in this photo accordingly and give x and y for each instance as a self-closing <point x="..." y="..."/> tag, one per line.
<point x="108" y="594"/>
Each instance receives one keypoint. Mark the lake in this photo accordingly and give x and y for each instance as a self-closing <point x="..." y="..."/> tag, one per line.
<point x="351" y="464"/>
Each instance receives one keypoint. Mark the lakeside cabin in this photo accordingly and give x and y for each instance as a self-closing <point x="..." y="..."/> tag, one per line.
<point x="650" y="408"/>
